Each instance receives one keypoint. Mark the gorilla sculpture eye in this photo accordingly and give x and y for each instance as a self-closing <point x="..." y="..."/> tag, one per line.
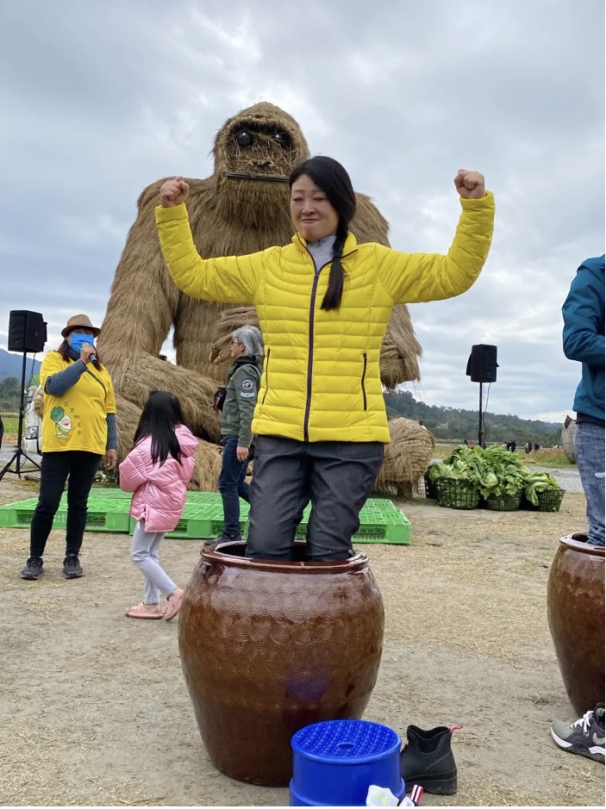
<point x="283" y="138"/>
<point x="244" y="138"/>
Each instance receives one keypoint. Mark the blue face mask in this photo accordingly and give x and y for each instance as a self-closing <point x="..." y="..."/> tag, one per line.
<point x="76" y="341"/>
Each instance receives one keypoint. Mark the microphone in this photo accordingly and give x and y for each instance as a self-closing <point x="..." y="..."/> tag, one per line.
<point x="93" y="358"/>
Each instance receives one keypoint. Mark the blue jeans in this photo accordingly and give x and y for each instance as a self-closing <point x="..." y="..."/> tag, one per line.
<point x="590" y="462"/>
<point x="232" y="486"/>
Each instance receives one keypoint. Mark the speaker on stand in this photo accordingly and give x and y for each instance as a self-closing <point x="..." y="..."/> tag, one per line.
<point x="26" y="334"/>
<point x="482" y="367"/>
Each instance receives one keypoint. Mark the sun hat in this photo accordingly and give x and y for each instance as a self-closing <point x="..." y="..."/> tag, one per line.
<point x="79" y="322"/>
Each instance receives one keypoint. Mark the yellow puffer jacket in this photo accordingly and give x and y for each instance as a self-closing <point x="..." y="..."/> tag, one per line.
<point x="321" y="373"/>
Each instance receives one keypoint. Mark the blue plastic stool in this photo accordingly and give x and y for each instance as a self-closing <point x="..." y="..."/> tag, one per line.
<point x="335" y="762"/>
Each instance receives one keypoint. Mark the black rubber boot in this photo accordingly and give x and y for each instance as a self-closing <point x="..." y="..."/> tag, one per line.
<point x="427" y="761"/>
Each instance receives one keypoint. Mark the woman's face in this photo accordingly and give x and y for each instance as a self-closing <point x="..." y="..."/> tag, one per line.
<point x="312" y="214"/>
<point x="237" y="349"/>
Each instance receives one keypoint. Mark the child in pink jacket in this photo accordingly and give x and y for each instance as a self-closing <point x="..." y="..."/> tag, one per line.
<point x="157" y="470"/>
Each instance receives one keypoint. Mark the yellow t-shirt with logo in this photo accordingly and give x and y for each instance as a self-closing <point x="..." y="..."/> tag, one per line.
<point x="77" y="419"/>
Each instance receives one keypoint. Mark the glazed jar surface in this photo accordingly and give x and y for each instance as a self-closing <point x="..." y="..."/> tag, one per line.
<point x="270" y="647"/>
<point x="575" y="611"/>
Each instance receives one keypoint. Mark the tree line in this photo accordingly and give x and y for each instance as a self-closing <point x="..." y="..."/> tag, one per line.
<point x="10" y="394"/>
<point x="456" y="424"/>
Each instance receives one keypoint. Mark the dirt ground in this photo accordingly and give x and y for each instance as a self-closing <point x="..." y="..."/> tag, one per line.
<point x="94" y="709"/>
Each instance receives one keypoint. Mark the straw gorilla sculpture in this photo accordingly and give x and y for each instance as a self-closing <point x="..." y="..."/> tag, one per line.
<point x="243" y="207"/>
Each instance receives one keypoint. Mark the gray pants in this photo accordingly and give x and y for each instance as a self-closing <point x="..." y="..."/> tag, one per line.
<point x="144" y="553"/>
<point x="336" y="476"/>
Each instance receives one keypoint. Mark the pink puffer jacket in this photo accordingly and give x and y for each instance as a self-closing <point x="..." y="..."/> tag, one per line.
<point x="159" y="490"/>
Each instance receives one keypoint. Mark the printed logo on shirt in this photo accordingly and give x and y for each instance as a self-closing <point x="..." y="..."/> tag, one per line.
<point x="247" y="384"/>
<point x="63" y="423"/>
<point x="250" y="395"/>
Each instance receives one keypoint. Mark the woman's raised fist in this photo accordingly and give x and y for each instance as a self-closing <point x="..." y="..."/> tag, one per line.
<point x="173" y="192"/>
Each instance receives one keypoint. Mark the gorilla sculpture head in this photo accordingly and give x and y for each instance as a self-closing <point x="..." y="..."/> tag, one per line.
<point x="254" y="153"/>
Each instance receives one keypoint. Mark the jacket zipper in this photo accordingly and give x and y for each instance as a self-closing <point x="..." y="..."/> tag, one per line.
<point x="310" y="361"/>
<point x="364" y="381"/>
<point x="266" y="376"/>
<point x="312" y="315"/>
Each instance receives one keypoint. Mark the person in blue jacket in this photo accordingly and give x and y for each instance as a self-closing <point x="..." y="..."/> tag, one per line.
<point x="583" y="313"/>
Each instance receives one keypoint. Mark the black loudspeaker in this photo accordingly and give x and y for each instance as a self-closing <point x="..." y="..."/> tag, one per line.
<point x="482" y="364"/>
<point x="26" y="332"/>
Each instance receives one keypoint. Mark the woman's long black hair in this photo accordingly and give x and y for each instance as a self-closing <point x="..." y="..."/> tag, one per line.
<point x="161" y="414"/>
<point x="331" y="177"/>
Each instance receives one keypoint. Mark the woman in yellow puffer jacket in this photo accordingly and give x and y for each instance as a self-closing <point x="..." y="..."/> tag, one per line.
<point x="323" y="304"/>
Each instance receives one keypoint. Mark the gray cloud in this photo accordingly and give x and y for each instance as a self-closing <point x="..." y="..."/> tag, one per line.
<point x="100" y="100"/>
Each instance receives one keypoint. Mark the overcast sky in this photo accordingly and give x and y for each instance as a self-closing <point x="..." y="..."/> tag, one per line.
<point x="100" y="99"/>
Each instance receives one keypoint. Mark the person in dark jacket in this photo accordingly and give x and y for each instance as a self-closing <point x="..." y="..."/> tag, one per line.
<point x="583" y="313"/>
<point x="236" y="419"/>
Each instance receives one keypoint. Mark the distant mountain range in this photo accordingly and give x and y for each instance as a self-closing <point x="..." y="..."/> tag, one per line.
<point x="10" y="365"/>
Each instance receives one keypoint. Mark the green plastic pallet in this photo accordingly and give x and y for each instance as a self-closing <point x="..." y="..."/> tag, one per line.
<point x="380" y="520"/>
<point x="18" y="515"/>
<point x="103" y="515"/>
<point x="378" y="523"/>
<point x="202" y="521"/>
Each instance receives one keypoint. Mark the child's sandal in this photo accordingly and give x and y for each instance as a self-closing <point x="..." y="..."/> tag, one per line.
<point x="173" y="606"/>
<point x="143" y="611"/>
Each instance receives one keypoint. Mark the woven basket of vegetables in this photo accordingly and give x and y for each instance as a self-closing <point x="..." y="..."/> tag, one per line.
<point x="457" y="494"/>
<point x="547" y="500"/>
<point x="504" y="502"/>
<point x="542" y="493"/>
<point x="494" y="474"/>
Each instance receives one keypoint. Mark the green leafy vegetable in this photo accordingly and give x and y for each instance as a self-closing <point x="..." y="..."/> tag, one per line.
<point x="493" y="472"/>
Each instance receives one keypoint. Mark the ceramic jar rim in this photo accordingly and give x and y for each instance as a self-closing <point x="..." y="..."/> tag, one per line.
<point x="356" y="562"/>
<point x="574" y="544"/>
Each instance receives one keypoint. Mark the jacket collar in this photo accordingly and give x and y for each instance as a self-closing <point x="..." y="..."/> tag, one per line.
<point x="351" y="244"/>
<point x="245" y="360"/>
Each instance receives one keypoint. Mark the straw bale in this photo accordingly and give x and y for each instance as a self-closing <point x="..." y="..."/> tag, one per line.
<point x="208" y="467"/>
<point x="127" y="419"/>
<point x="401" y="351"/>
<point x="407" y="458"/>
<point x="569" y="431"/>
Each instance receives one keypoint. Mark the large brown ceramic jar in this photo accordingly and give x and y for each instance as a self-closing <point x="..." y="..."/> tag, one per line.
<point x="269" y="647"/>
<point x="575" y="610"/>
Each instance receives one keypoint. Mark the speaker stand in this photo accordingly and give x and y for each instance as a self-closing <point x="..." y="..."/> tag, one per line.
<point x="19" y="451"/>
<point x="481" y="423"/>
